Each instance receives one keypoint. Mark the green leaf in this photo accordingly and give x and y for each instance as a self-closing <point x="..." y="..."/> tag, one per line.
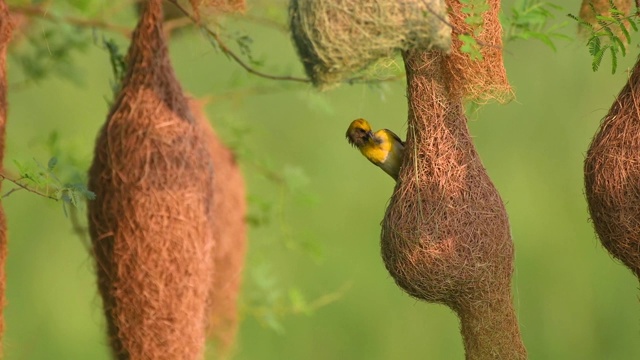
<point x="597" y="58"/>
<point x="594" y="46"/>
<point x="470" y="46"/>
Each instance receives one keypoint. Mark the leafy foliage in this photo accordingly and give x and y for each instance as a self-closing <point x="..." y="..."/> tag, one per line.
<point x="534" y="19"/>
<point x="50" y="52"/>
<point x="474" y="9"/>
<point x="610" y="34"/>
<point x="43" y="180"/>
<point x="118" y="64"/>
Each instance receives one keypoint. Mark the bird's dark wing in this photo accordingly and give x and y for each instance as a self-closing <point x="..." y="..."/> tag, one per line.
<point x="395" y="136"/>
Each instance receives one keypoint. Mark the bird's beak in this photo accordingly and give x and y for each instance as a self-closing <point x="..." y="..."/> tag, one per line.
<point x="370" y="134"/>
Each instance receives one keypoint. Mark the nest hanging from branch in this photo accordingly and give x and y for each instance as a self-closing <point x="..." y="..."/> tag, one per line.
<point x="150" y="223"/>
<point x="337" y="38"/>
<point x="612" y="176"/>
<point x="445" y="234"/>
<point x="230" y="234"/>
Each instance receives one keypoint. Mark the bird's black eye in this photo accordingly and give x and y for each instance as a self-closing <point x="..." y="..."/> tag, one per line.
<point x="360" y="130"/>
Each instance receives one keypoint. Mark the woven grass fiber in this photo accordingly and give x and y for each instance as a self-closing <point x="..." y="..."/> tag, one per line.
<point x="6" y="27"/>
<point x="612" y="176"/>
<point x="472" y="79"/>
<point x="337" y="38"/>
<point x="150" y="223"/>
<point x="230" y="234"/>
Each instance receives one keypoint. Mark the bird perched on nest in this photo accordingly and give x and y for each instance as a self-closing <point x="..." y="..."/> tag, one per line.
<point x="383" y="148"/>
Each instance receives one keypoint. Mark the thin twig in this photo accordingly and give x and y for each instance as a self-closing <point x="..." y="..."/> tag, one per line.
<point x="225" y="49"/>
<point x="24" y="187"/>
<point x="43" y="13"/>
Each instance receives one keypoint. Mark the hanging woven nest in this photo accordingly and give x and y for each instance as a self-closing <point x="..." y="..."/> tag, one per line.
<point x="612" y="176"/>
<point x="230" y="235"/>
<point x="150" y="223"/>
<point x="445" y="234"/>
<point x="337" y="38"/>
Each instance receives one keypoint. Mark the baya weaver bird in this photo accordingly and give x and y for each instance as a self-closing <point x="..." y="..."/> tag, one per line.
<point x="383" y="148"/>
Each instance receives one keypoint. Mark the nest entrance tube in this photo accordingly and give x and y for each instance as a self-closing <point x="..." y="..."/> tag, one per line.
<point x="612" y="173"/>
<point x="445" y="235"/>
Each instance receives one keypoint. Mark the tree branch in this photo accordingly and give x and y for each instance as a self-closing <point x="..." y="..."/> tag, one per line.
<point x="225" y="49"/>
<point x="22" y="186"/>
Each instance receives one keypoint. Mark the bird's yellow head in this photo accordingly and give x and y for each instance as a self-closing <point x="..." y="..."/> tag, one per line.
<point x="359" y="132"/>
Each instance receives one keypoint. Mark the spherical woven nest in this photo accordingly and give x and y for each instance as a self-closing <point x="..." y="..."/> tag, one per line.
<point x="337" y="38"/>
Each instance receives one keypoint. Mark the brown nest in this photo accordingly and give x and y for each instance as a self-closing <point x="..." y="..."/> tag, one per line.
<point x="445" y="235"/>
<point x="612" y="176"/>
<point x="150" y="223"/>
<point x="230" y="234"/>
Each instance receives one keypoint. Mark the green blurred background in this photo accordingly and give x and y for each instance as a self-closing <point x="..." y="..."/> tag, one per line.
<point x="315" y="285"/>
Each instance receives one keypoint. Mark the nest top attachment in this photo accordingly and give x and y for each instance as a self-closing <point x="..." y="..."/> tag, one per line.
<point x="336" y="39"/>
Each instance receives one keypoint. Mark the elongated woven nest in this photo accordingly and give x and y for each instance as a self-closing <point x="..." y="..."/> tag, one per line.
<point x="337" y="38"/>
<point x="6" y="27"/>
<point x="230" y="234"/>
<point x="612" y="176"/>
<point x="150" y="223"/>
